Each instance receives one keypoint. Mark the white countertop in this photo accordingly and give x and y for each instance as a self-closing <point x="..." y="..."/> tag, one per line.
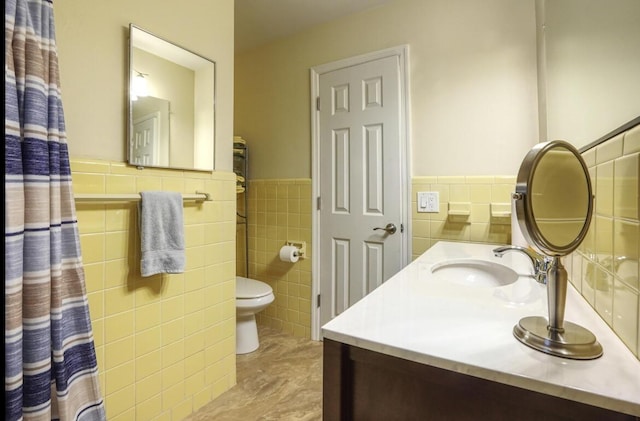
<point x="468" y="329"/>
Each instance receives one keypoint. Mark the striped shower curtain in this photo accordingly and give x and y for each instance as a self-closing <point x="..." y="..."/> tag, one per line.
<point x="50" y="360"/>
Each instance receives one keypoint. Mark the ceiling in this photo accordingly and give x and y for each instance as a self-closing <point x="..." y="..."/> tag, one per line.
<point x="258" y="22"/>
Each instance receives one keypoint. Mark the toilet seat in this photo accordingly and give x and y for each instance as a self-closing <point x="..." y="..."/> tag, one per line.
<point x="250" y="288"/>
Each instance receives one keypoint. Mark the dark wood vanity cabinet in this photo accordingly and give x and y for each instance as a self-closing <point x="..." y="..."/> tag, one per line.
<point x="359" y="384"/>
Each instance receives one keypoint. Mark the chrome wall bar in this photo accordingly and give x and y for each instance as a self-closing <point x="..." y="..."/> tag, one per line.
<point x="133" y="197"/>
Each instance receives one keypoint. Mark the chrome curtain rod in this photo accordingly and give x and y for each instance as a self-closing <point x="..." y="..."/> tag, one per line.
<point x="133" y="197"/>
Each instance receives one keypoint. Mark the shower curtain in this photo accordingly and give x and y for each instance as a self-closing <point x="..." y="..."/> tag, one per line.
<point x="50" y="360"/>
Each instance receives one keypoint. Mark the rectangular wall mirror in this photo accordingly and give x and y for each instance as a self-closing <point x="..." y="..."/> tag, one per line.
<point x="171" y="105"/>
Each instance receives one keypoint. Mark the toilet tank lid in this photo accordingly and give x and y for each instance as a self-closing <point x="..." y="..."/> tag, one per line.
<point x="250" y="288"/>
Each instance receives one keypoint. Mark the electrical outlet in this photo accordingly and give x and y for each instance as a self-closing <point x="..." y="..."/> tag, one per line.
<point x="428" y="201"/>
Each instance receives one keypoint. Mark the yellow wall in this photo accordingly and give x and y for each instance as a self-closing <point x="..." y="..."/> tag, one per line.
<point x="92" y="40"/>
<point x="280" y="211"/>
<point x="472" y="80"/>
<point x="478" y="193"/>
<point x="605" y="268"/>
<point x="166" y="343"/>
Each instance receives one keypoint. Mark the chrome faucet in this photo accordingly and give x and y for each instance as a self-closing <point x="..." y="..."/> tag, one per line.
<point x="540" y="263"/>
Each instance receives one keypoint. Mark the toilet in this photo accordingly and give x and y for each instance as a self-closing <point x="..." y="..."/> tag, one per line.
<point x="251" y="297"/>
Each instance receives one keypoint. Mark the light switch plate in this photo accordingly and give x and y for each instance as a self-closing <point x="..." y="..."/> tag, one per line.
<point x="428" y="201"/>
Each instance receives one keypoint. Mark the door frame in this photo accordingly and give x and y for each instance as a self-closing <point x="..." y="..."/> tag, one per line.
<point x="402" y="52"/>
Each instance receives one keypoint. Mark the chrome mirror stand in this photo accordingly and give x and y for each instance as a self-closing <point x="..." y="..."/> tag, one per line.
<point x="555" y="336"/>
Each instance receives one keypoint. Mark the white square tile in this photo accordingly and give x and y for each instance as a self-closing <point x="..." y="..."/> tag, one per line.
<point x="604" y="295"/>
<point x="625" y="314"/>
<point x="604" y="189"/>
<point x="589" y="280"/>
<point x="609" y="150"/>
<point x="626" y="186"/>
<point x="632" y="140"/>
<point x="575" y="273"/>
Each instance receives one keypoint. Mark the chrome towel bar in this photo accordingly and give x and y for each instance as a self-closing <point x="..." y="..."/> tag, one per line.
<point x="133" y="197"/>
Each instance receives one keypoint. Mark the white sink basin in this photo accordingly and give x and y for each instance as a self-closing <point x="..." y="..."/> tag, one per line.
<point x="474" y="272"/>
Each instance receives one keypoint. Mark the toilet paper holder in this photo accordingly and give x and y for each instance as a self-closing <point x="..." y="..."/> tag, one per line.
<point x="301" y="246"/>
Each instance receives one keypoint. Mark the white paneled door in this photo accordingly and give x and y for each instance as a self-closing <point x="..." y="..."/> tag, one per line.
<point x="144" y="145"/>
<point x="361" y="227"/>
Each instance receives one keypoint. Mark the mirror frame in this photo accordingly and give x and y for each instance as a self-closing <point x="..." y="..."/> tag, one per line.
<point x="130" y="103"/>
<point x="524" y="206"/>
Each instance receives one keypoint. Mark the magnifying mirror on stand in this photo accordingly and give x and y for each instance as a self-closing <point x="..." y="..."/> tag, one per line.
<point x="554" y="206"/>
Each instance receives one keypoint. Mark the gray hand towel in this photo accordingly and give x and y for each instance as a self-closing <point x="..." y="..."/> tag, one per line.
<point x="161" y="233"/>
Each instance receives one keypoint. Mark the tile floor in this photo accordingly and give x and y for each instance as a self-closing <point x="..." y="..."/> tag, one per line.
<point x="281" y="381"/>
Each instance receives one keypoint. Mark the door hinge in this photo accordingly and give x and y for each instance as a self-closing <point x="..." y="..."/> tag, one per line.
<point x="401" y="228"/>
<point x="318" y="300"/>
<point x="318" y="103"/>
<point x="318" y="203"/>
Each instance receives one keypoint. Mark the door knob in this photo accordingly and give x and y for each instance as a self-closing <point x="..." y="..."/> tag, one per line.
<point x="390" y="228"/>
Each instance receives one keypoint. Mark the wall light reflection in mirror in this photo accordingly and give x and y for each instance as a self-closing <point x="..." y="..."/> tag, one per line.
<point x="140" y="86"/>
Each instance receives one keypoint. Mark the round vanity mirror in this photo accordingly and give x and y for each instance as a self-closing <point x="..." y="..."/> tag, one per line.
<point x="556" y="198"/>
<point x="554" y="205"/>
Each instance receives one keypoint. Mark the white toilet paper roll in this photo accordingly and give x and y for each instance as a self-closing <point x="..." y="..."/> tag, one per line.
<point x="289" y="254"/>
